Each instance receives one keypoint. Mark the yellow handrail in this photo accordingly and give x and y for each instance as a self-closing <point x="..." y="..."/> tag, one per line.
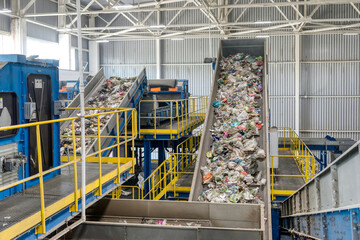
<point x="304" y="158"/>
<point x="169" y="171"/>
<point x="305" y="176"/>
<point x="42" y="227"/>
<point x="189" y="114"/>
<point x="298" y="148"/>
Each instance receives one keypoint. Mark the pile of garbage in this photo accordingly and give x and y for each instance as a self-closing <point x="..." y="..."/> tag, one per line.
<point x="110" y="95"/>
<point x="231" y="174"/>
<point x="171" y="222"/>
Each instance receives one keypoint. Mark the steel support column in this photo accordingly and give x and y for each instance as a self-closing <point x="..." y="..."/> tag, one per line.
<point x="147" y="163"/>
<point x="18" y="29"/>
<point x="158" y="58"/>
<point x="297" y="83"/>
<point x="161" y="151"/>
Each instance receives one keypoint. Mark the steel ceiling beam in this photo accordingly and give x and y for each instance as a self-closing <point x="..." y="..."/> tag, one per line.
<point x="241" y="6"/>
<point x="206" y="25"/>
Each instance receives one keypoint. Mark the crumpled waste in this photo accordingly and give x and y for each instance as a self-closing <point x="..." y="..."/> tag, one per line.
<point x="231" y="174"/>
<point x="110" y="95"/>
<point x="176" y="222"/>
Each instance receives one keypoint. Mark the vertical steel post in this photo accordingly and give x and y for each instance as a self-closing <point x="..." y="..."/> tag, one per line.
<point x="99" y="155"/>
<point x="82" y="113"/>
<point x="75" y="166"/>
<point x="118" y="146"/>
<point x="42" y="229"/>
<point x="297" y="84"/>
<point x="161" y="151"/>
<point x="147" y="163"/>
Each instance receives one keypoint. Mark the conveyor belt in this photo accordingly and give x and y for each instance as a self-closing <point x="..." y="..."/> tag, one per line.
<point x="255" y="47"/>
<point x="130" y="100"/>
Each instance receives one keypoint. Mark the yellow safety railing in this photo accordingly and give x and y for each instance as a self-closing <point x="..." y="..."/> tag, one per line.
<point x="304" y="158"/>
<point x="167" y="173"/>
<point x="184" y="115"/>
<point x="120" y="140"/>
<point x="286" y="192"/>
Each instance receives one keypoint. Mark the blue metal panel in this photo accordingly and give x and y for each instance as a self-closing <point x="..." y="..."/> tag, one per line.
<point x="13" y="76"/>
<point x="161" y="147"/>
<point x="343" y="224"/>
<point x="147" y="163"/>
<point x="275" y="223"/>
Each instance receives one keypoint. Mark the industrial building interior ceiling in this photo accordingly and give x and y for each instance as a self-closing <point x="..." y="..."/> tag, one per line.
<point x="163" y="19"/>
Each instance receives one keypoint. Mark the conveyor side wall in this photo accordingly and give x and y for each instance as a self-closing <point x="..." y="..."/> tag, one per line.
<point x="327" y="207"/>
<point x="254" y="47"/>
<point x="131" y="100"/>
<point x="90" y="89"/>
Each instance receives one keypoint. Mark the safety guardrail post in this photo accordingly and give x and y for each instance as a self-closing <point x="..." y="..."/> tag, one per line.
<point x="75" y="167"/>
<point x="99" y="155"/>
<point x="133" y="134"/>
<point x="42" y="227"/>
<point x="118" y="146"/>
<point x="171" y="120"/>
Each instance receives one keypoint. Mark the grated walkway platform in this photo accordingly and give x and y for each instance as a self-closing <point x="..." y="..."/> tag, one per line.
<point x="24" y="206"/>
<point x="288" y="166"/>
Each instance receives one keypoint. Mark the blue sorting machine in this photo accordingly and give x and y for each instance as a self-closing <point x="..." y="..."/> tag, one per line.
<point x="161" y="90"/>
<point x="29" y="92"/>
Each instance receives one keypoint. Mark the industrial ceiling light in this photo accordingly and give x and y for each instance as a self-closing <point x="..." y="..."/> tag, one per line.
<point x="122" y="7"/>
<point x="262" y="36"/>
<point x="157" y="26"/>
<point x="263" y="22"/>
<point x="350" y="34"/>
<point x="102" y="41"/>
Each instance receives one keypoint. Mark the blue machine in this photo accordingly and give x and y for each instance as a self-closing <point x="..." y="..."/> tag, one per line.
<point x="72" y="91"/>
<point x="29" y="92"/>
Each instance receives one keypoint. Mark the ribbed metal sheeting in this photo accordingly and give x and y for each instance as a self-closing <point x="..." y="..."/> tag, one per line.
<point x="43" y="33"/>
<point x="40" y="32"/>
<point x="184" y="60"/>
<point x="129" y="71"/>
<point x="74" y="42"/>
<point x="128" y="52"/>
<point x="127" y="58"/>
<point x="260" y="14"/>
<point x="5" y="23"/>
<point x="329" y="84"/>
<point x="185" y="17"/>
<point x="85" y="60"/>
<point x="331" y="80"/>
<point x="199" y="76"/>
<point x="189" y="51"/>
<point x="330" y="114"/>
<point x="42" y="6"/>
<point x="330" y="48"/>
